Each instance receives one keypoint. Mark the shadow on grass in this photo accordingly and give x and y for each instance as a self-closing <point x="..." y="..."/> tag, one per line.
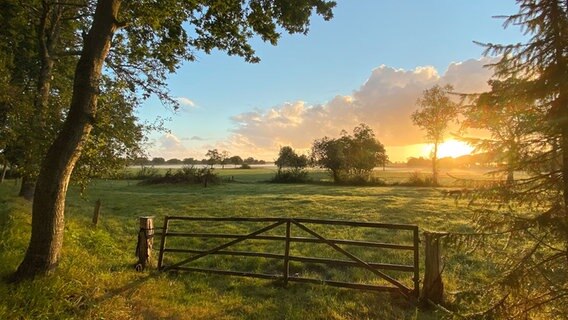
<point x="262" y="299"/>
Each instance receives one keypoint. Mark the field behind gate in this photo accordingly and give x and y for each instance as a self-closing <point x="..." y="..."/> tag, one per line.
<point x="96" y="279"/>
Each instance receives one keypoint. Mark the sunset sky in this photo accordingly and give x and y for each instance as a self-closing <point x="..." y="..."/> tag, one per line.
<point x="368" y="64"/>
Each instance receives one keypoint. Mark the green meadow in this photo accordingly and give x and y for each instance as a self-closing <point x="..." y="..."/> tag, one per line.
<point x="96" y="278"/>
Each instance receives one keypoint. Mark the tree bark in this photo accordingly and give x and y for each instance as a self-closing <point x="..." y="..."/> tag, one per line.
<point x="4" y="169"/>
<point x="512" y="161"/>
<point x="510" y="174"/>
<point x="435" y="165"/>
<point x="564" y="164"/>
<point x="48" y="208"/>
<point x="27" y="188"/>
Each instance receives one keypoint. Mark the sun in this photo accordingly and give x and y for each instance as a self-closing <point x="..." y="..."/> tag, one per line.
<point x="450" y="148"/>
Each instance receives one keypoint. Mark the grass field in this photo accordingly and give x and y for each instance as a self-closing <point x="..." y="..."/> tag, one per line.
<point x="96" y="278"/>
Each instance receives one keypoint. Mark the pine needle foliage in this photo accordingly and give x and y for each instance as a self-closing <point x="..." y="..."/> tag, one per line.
<point x="523" y="224"/>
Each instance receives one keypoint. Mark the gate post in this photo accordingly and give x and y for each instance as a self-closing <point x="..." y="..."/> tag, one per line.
<point x="145" y="242"/>
<point x="287" y="254"/>
<point x="433" y="287"/>
<point x="96" y="212"/>
<point x="163" y="243"/>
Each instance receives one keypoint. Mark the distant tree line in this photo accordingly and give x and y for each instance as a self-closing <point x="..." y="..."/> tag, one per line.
<point x="212" y="160"/>
<point x="478" y="160"/>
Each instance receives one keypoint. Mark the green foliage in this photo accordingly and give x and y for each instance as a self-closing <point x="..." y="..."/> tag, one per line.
<point x="40" y="72"/>
<point x="527" y="219"/>
<point x="149" y="41"/>
<point x="116" y="138"/>
<point x="349" y="157"/>
<point x="42" y="46"/>
<point x="509" y="115"/>
<point x="291" y="166"/>
<point x="158" y="161"/>
<point x="146" y="173"/>
<point x="287" y="158"/>
<point x="214" y="157"/>
<point x="186" y="175"/>
<point x="159" y="35"/>
<point x="292" y="175"/>
<point x="436" y="110"/>
<point x="236" y="160"/>
<point x="417" y="179"/>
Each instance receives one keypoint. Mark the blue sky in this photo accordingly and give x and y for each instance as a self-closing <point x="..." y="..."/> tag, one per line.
<point x="252" y="109"/>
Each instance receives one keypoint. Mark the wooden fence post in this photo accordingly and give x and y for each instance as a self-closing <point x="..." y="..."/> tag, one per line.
<point x="287" y="254"/>
<point x="96" y="212"/>
<point x="416" y="278"/>
<point x="145" y="242"/>
<point x="163" y="243"/>
<point x="433" y="287"/>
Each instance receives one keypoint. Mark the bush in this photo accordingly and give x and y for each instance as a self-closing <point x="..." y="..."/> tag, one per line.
<point x="416" y="179"/>
<point x="147" y="173"/>
<point x="187" y="174"/>
<point x="245" y="166"/>
<point x="361" y="180"/>
<point x="290" y="176"/>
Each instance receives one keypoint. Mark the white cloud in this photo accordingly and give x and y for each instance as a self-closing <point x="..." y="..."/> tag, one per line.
<point x="186" y="102"/>
<point x="384" y="102"/>
<point x="169" y="146"/>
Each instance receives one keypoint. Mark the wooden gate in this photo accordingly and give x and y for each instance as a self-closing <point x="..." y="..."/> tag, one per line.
<point x="389" y="283"/>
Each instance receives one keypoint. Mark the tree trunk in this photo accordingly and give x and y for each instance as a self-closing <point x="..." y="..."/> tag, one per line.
<point x="48" y="34"/>
<point x="4" y="169"/>
<point x="564" y="164"/>
<point x="512" y="161"/>
<point x="27" y="189"/>
<point x="510" y="176"/>
<point x="435" y="165"/>
<point x="336" y="177"/>
<point x="46" y="240"/>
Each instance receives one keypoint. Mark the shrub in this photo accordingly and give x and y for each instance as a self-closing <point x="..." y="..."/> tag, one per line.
<point x="187" y="174"/>
<point x="290" y="176"/>
<point x="245" y="166"/>
<point x="147" y="173"/>
<point x="416" y="179"/>
<point x="361" y="180"/>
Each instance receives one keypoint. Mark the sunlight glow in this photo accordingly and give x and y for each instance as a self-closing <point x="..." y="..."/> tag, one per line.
<point x="451" y="148"/>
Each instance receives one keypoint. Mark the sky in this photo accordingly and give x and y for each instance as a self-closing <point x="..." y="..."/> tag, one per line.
<point x="368" y="64"/>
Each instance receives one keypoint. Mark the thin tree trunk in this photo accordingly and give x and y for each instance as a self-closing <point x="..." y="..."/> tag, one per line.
<point x="27" y="188"/>
<point x="435" y="165"/>
<point x="564" y="164"/>
<point x="512" y="161"/>
<point x="4" y="169"/>
<point x="336" y="178"/>
<point x="46" y="240"/>
<point x="511" y="168"/>
<point x="48" y="35"/>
